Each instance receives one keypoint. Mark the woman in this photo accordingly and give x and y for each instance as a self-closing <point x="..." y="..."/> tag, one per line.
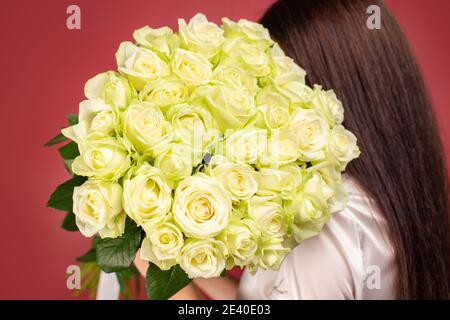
<point x="393" y="240"/>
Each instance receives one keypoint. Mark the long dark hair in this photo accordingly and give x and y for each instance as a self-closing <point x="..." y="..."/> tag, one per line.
<point x="402" y="165"/>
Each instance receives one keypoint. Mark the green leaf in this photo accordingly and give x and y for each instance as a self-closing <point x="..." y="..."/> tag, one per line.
<point x="55" y="140"/>
<point x="69" y="151"/>
<point x="72" y="118"/>
<point x="117" y="254"/>
<point x="61" y="198"/>
<point x="68" y="165"/>
<point x="125" y="278"/>
<point x="161" y="285"/>
<point x="90" y="256"/>
<point x="69" y="223"/>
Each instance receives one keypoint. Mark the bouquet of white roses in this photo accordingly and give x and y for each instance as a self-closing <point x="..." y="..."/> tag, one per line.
<point x="206" y="150"/>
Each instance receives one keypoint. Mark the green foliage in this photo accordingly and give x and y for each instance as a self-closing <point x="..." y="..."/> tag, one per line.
<point x="61" y="198"/>
<point x="161" y="285"/>
<point x="117" y="254"/>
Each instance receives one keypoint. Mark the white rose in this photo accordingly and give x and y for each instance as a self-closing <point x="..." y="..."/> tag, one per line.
<point x="231" y="108"/>
<point x="94" y="116"/>
<point x="310" y="208"/>
<point x="272" y="252"/>
<point x="241" y="237"/>
<point x="111" y="87"/>
<point x="282" y="148"/>
<point x="146" y="196"/>
<point x="273" y="110"/>
<point x="193" y="68"/>
<point x="175" y="160"/>
<point x="145" y="127"/>
<point x="237" y="179"/>
<point x="250" y="30"/>
<point x="201" y="206"/>
<point x="298" y="93"/>
<point x="234" y="77"/>
<point x="283" y="181"/>
<point x="161" y="40"/>
<point x="247" y="55"/>
<point x="164" y="93"/>
<point x="343" y="146"/>
<point x="140" y="65"/>
<point x="101" y="157"/>
<point x="286" y="67"/>
<point x="328" y="104"/>
<point x="97" y="206"/>
<point x="313" y="133"/>
<point x="245" y="146"/>
<point x="203" y="258"/>
<point x="268" y="214"/>
<point x="201" y="36"/>
<point x="162" y="246"/>
<point x="193" y="125"/>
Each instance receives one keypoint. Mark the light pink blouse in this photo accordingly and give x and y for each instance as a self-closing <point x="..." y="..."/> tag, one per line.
<point x="350" y="259"/>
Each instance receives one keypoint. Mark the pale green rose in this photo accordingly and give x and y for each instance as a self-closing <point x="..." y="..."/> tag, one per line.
<point x="333" y="178"/>
<point x="343" y="146"/>
<point x="231" y="108"/>
<point x="175" y="160"/>
<point x="94" y="116"/>
<point x="193" y="68"/>
<point x="162" y="246"/>
<point x="285" y="67"/>
<point x="201" y="36"/>
<point x="273" y="110"/>
<point x="313" y="133"/>
<point x="271" y="253"/>
<point x="112" y="88"/>
<point x="164" y="93"/>
<point x="237" y="179"/>
<point x="201" y="206"/>
<point x="249" y="30"/>
<point x="310" y="208"/>
<point x="282" y="181"/>
<point x="268" y="214"/>
<point x="327" y="103"/>
<point x="97" y="205"/>
<point x="248" y="56"/>
<point x="114" y="228"/>
<point x="241" y="238"/>
<point x="298" y="93"/>
<point x="203" y="258"/>
<point x="140" y="65"/>
<point x="146" y="128"/>
<point x="161" y="40"/>
<point x="234" y="77"/>
<point x="146" y="196"/>
<point x="282" y="148"/>
<point x="245" y="146"/>
<point x="194" y="126"/>
<point x="101" y="158"/>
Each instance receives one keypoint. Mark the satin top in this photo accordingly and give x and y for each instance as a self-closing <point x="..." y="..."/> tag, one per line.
<point x="351" y="258"/>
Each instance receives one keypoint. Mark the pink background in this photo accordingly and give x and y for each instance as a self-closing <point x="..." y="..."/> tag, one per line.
<point x="44" y="68"/>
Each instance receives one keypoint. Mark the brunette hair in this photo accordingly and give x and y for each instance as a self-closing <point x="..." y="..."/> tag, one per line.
<point x="402" y="166"/>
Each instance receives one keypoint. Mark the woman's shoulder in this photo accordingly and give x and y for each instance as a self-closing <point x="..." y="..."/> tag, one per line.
<point x="350" y="259"/>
